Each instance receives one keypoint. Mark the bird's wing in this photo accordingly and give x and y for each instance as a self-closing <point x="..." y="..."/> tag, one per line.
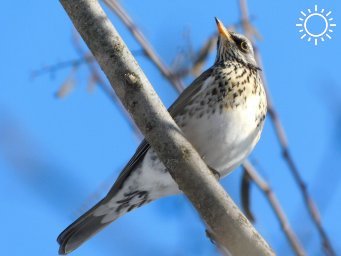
<point x="137" y="157"/>
<point x="186" y="96"/>
<point x="189" y="94"/>
<point x="88" y="224"/>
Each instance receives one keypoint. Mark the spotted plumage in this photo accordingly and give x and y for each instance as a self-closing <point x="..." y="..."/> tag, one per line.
<point x="221" y="113"/>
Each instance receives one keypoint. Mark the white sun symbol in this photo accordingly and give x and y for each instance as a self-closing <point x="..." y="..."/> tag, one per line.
<point x="325" y="19"/>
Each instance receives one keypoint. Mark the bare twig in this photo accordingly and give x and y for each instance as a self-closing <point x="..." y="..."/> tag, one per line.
<point x="275" y="205"/>
<point x="73" y="63"/>
<point x="229" y="226"/>
<point x="200" y="58"/>
<point x="312" y="209"/>
<point x="245" y="195"/>
<point x="146" y="46"/>
<point x="62" y="65"/>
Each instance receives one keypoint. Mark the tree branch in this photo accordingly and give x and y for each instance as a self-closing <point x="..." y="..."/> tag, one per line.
<point x="269" y="194"/>
<point x="246" y="195"/>
<point x="227" y="224"/>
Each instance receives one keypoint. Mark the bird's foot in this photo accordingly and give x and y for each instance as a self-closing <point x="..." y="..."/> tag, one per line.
<point x="215" y="173"/>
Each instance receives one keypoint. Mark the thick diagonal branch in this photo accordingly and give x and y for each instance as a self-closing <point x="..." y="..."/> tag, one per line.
<point x="227" y="224"/>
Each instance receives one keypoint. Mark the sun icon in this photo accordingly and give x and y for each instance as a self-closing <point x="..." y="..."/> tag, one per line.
<point x="323" y="17"/>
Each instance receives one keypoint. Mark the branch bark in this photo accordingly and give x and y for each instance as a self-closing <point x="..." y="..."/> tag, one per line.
<point x="228" y="225"/>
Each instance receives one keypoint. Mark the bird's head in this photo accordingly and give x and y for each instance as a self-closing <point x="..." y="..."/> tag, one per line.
<point x="233" y="47"/>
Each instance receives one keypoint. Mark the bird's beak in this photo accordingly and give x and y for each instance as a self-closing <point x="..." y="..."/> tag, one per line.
<point x="222" y="30"/>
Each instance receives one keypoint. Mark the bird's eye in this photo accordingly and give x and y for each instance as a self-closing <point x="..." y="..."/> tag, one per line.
<point x="244" y="47"/>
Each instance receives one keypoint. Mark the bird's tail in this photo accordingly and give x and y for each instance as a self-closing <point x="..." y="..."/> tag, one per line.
<point x="97" y="218"/>
<point x="81" y="230"/>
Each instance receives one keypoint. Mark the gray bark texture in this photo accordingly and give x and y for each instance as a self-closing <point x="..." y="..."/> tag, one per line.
<point x="226" y="223"/>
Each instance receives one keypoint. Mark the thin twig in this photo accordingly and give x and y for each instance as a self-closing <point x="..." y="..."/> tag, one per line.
<point x="62" y="65"/>
<point x="245" y="195"/>
<point x="73" y="63"/>
<point x="275" y="205"/>
<point x="280" y="133"/>
<point x="146" y="46"/>
<point x="199" y="59"/>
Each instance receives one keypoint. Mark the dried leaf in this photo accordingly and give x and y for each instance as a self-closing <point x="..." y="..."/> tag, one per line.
<point x="66" y="88"/>
<point x="92" y="81"/>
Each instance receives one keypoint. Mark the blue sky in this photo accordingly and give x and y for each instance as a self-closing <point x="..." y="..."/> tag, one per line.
<point x="56" y="154"/>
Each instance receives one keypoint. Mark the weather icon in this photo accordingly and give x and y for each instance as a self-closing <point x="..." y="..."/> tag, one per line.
<point x="316" y="25"/>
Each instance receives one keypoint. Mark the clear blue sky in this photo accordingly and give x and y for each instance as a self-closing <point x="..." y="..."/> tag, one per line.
<point x="56" y="154"/>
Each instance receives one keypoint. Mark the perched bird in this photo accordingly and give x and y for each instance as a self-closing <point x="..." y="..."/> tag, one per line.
<point x="221" y="113"/>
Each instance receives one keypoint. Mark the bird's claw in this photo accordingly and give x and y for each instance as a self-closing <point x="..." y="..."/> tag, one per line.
<point x="215" y="173"/>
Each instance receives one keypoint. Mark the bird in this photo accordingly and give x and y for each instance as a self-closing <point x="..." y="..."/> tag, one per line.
<point x="221" y="113"/>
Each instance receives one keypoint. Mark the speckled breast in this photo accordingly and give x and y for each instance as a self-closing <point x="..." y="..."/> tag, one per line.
<point x="225" y="119"/>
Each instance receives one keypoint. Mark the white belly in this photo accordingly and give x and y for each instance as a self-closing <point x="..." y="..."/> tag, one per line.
<point x="224" y="140"/>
